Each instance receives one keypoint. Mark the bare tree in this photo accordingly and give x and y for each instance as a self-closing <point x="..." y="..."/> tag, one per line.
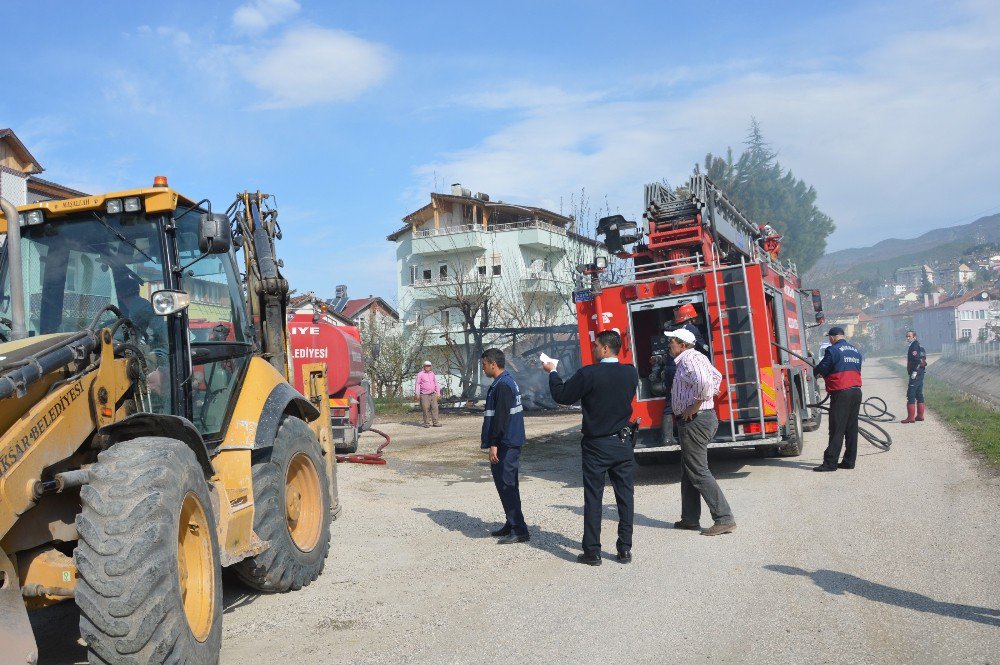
<point x="392" y="356"/>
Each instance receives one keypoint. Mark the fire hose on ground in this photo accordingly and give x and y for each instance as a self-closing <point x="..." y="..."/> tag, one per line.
<point x="367" y="458"/>
<point x="873" y="411"/>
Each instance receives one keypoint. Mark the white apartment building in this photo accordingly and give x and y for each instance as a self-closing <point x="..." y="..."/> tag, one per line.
<point x="464" y="252"/>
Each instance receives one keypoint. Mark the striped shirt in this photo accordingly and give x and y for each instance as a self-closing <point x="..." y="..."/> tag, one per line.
<point x="696" y="382"/>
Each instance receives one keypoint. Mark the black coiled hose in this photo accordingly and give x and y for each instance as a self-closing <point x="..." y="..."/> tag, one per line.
<point x="873" y="411"/>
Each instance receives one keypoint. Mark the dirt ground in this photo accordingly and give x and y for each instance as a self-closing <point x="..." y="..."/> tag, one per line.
<point x="893" y="562"/>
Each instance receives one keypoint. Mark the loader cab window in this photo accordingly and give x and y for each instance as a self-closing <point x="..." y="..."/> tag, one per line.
<point x="217" y="329"/>
<point x="75" y="267"/>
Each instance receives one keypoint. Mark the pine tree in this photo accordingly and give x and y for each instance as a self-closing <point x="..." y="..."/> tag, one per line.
<point x="768" y="194"/>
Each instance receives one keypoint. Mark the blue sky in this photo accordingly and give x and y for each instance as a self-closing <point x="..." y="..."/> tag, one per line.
<point x="350" y="113"/>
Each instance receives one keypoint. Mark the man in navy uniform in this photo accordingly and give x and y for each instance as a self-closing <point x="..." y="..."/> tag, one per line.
<point x="605" y="391"/>
<point x="841" y="372"/>
<point x="916" y="362"/>
<point x="503" y="436"/>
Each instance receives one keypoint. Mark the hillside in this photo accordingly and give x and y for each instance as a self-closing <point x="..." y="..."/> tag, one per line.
<point x="885" y="256"/>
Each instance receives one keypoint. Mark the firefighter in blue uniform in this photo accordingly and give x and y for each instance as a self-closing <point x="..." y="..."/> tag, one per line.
<point x="503" y="436"/>
<point x="916" y="362"/>
<point x="841" y="372"/>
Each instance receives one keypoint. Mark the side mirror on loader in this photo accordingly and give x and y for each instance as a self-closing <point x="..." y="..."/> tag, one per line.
<point x="214" y="234"/>
<point x="817" y="301"/>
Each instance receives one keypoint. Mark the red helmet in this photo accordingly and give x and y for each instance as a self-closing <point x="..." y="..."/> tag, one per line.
<point x="684" y="312"/>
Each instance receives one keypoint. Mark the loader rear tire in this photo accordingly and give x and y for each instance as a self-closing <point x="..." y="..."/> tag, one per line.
<point x="292" y="512"/>
<point x="150" y="579"/>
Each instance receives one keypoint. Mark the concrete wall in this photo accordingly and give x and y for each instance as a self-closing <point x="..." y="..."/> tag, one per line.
<point x="978" y="380"/>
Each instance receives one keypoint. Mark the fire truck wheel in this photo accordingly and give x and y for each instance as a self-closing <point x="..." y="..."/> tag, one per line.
<point x="150" y="578"/>
<point x="794" y="443"/>
<point x="813" y="423"/>
<point x="292" y="508"/>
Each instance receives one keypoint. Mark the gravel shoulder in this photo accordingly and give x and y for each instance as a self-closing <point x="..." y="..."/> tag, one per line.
<point x="893" y="562"/>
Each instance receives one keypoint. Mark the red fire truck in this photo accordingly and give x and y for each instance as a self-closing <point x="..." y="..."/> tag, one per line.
<point x="700" y="250"/>
<point x="314" y="336"/>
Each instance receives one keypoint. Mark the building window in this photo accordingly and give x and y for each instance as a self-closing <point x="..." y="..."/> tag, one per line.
<point x="427" y="274"/>
<point x="481" y="266"/>
<point x="966" y="333"/>
<point x="442" y="271"/>
<point x="445" y="318"/>
<point x="496" y="265"/>
<point x="413" y="274"/>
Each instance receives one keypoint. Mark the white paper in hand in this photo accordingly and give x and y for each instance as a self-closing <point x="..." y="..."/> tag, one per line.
<point x="545" y="359"/>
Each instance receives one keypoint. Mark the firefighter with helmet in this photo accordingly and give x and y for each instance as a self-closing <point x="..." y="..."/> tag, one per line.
<point x="684" y="317"/>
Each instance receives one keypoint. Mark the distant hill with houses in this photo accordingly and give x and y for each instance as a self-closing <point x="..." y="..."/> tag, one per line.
<point x="883" y="258"/>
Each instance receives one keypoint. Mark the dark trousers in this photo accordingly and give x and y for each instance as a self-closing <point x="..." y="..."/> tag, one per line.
<point x="697" y="482"/>
<point x="505" y="479"/>
<point x="915" y="390"/>
<point x="667" y="428"/>
<point x="607" y="455"/>
<point x="844" y="408"/>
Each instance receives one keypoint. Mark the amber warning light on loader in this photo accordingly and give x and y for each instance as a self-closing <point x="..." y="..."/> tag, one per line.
<point x="160" y="181"/>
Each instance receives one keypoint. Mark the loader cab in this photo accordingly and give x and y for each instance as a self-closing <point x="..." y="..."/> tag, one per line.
<point x="81" y="257"/>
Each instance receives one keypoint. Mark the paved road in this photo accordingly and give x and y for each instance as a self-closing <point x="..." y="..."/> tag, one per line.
<point x="893" y="562"/>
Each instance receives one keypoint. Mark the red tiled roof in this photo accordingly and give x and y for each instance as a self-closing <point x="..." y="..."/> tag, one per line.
<point x="357" y="305"/>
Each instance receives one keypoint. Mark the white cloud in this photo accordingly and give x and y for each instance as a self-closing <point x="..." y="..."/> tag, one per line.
<point x="311" y="65"/>
<point x="898" y="140"/>
<point x="259" y="15"/>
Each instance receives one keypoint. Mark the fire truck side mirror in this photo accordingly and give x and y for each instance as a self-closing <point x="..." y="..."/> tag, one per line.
<point x="817" y="302"/>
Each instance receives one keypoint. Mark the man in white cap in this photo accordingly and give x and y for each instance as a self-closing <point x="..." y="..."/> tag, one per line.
<point x="428" y="390"/>
<point x="692" y="398"/>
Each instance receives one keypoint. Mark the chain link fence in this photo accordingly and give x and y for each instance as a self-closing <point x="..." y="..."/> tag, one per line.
<point x="981" y="353"/>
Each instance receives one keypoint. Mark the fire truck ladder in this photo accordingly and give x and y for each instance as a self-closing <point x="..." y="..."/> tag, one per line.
<point x="736" y="328"/>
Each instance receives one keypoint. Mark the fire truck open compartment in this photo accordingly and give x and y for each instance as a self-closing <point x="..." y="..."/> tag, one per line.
<point x="648" y="319"/>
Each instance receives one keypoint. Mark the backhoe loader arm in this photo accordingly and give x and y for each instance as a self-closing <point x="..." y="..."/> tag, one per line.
<point x="266" y="287"/>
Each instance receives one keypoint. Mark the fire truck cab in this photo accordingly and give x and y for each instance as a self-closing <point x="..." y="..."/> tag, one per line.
<point x="700" y="250"/>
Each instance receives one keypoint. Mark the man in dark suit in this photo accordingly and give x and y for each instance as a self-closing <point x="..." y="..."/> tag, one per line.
<point x="605" y="391"/>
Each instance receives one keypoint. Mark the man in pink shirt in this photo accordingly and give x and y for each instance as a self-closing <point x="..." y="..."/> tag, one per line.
<point x="692" y="397"/>
<point x="427" y="389"/>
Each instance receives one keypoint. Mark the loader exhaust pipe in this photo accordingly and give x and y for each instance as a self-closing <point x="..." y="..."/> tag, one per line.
<point x="18" y="330"/>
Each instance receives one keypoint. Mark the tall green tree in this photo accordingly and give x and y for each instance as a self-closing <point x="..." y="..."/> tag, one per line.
<point x="768" y="194"/>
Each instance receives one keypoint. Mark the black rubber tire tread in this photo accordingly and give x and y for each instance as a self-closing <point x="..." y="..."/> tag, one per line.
<point x="796" y="438"/>
<point x="128" y="589"/>
<point x="813" y="423"/>
<point x="283" y="566"/>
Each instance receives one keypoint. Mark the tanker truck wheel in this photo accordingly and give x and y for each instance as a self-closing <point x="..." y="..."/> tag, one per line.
<point x="150" y="579"/>
<point x="291" y="512"/>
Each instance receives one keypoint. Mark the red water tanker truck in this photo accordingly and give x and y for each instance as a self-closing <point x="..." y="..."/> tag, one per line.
<point x="315" y="337"/>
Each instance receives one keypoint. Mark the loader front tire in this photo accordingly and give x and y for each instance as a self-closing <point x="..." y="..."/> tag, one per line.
<point x="291" y="512"/>
<point x="150" y="579"/>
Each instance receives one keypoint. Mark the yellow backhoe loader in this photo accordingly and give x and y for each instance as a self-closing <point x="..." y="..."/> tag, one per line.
<point x="148" y="433"/>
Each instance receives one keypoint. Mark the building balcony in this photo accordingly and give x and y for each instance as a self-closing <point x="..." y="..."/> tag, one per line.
<point x="449" y="240"/>
<point x="531" y="233"/>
